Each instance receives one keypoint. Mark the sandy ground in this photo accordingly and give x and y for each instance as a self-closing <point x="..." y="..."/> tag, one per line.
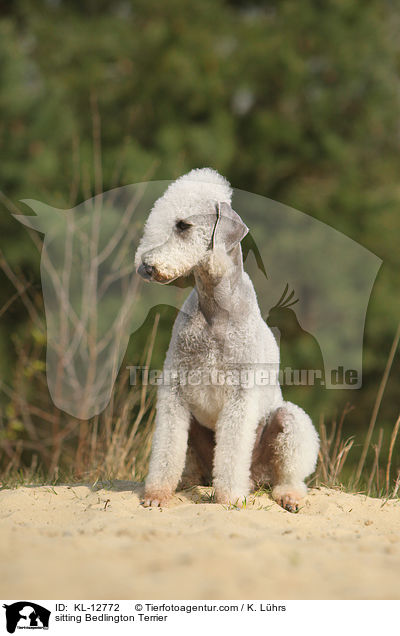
<point x="78" y="542"/>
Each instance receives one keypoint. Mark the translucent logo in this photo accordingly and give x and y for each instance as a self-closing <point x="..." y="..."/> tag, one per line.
<point x="313" y="286"/>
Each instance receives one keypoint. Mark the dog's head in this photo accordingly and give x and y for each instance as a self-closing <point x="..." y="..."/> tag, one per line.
<point x="192" y="217"/>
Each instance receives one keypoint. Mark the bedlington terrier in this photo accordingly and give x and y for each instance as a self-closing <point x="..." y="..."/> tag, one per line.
<point x="240" y="430"/>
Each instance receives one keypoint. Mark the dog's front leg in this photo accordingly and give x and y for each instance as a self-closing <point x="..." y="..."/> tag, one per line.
<point x="235" y="437"/>
<point x="168" y="448"/>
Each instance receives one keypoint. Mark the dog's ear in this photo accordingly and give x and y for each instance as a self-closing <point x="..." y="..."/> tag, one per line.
<point x="229" y="229"/>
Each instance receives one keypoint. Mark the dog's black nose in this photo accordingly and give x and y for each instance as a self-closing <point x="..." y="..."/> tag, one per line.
<point x="146" y="271"/>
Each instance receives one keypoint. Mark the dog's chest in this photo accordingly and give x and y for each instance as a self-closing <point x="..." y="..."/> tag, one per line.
<point x="203" y="350"/>
<point x="201" y="345"/>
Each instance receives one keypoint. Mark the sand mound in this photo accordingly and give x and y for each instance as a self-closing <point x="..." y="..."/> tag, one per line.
<point x="100" y="543"/>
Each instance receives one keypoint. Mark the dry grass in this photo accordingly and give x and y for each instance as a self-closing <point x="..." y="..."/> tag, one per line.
<point x="39" y="443"/>
<point x="335" y="467"/>
<point x="378" y="479"/>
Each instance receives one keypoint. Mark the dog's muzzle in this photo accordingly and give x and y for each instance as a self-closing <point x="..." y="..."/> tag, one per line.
<point x="146" y="271"/>
<point x="149" y="272"/>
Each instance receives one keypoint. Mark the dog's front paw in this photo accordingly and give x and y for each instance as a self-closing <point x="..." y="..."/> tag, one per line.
<point x="229" y="499"/>
<point x="288" y="497"/>
<point x="156" y="497"/>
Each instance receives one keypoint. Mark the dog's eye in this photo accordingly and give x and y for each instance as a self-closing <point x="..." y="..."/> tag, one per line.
<point x="181" y="226"/>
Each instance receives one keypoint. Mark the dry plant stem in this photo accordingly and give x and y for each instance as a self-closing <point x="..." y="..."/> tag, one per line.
<point x="389" y="461"/>
<point x="377" y="404"/>
<point x="375" y="467"/>
<point x="378" y="448"/>
<point x="11" y="207"/>
<point x="97" y="158"/>
<point x="148" y="358"/>
<point x="22" y="289"/>
<point x="333" y="451"/>
<point x="324" y="451"/>
<point x="74" y="189"/>
<point x="397" y="485"/>
<point x="347" y="409"/>
<point x="13" y="299"/>
<point x="341" y="457"/>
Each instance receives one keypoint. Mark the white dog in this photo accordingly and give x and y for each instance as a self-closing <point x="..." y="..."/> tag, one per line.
<point x="219" y="332"/>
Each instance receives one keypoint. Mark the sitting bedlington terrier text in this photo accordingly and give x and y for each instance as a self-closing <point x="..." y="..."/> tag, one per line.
<point x="237" y="434"/>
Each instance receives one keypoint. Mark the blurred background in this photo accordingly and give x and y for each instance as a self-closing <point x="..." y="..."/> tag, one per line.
<point x="298" y="102"/>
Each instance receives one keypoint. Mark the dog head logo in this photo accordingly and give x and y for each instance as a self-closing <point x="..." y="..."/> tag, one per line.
<point x="94" y="298"/>
<point x="26" y="615"/>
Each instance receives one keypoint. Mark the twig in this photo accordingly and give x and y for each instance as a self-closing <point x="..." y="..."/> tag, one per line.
<point x="392" y="443"/>
<point x="21" y="290"/>
<point x="375" y="467"/>
<point x="13" y="298"/>
<point x="397" y="485"/>
<point x="97" y="160"/>
<point x="377" y="404"/>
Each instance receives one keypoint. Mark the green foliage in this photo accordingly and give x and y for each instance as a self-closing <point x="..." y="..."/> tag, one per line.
<point x="295" y="101"/>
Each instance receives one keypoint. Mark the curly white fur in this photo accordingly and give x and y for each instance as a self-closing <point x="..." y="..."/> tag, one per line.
<point x="219" y="328"/>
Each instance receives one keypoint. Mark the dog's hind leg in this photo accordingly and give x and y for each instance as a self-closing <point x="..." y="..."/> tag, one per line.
<point x="285" y="454"/>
